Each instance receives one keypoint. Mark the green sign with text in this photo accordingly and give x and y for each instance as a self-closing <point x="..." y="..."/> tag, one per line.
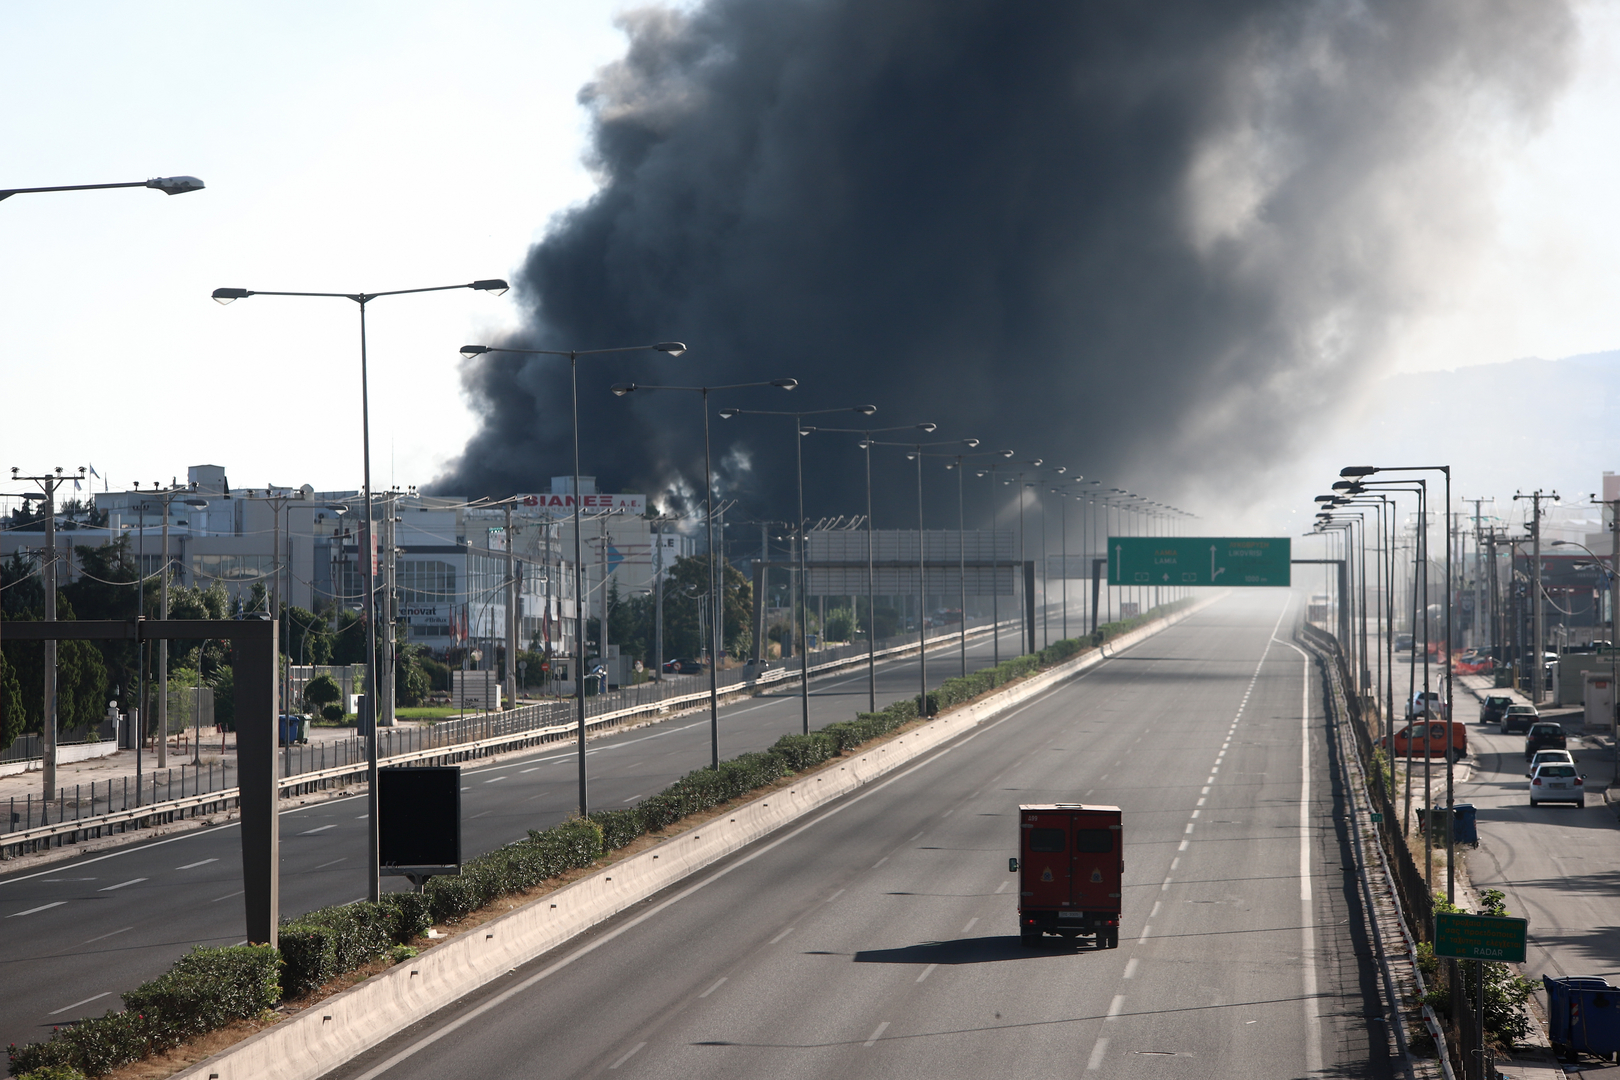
<point x="1480" y="937"/>
<point x="1198" y="560"/>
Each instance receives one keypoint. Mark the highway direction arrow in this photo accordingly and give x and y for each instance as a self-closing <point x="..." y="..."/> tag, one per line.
<point x="1243" y="561"/>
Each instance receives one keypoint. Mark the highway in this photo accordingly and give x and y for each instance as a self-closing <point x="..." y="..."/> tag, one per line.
<point x="878" y="937"/>
<point x="80" y="932"/>
<point x="1556" y="863"/>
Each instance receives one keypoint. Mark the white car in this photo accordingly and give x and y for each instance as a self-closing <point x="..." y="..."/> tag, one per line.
<point x="1557" y="783"/>
<point x="1549" y="757"/>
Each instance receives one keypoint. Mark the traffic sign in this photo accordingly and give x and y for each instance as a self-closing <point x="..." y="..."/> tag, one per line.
<point x="1480" y="937"/>
<point x="1199" y="560"/>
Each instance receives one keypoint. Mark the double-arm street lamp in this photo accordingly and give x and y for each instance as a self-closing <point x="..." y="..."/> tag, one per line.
<point x="670" y="348"/>
<point x="961" y="539"/>
<point x="368" y="574"/>
<point x="802" y="600"/>
<point x="916" y="454"/>
<point x="716" y="591"/>
<point x="866" y="445"/>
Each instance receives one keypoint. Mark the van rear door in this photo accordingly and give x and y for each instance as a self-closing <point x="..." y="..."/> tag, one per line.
<point x="1097" y="862"/>
<point x="1044" y="868"/>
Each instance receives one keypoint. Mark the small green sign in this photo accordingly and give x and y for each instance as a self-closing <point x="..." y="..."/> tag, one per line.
<point x="1480" y="937"/>
<point x="1241" y="561"/>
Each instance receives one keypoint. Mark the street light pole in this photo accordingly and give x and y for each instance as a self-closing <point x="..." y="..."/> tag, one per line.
<point x="717" y="599"/>
<point x="368" y="562"/>
<point x="802" y="600"/>
<point x="672" y="348"/>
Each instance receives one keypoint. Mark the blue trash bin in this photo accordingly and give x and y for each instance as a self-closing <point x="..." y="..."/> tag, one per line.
<point x="1464" y="824"/>
<point x="1583" y="1015"/>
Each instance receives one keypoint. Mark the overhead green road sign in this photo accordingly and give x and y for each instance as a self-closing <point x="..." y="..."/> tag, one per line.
<point x="1198" y="560"/>
<point x="1480" y="937"/>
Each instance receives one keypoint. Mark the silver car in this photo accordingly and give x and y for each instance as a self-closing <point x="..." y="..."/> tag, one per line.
<point x="1549" y="757"/>
<point x="1557" y="783"/>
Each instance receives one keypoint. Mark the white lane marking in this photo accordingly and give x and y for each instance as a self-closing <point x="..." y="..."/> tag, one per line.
<point x="486" y="813"/>
<point x="334" y="862"/>
<point x="114" y="933"/>
<point x="1174" y="863"/>
<point x="1130" y="968"/>
<point x="1205" y="791"/>
<point x="782" y="935"/>
<point x="717" y="984"/>
<point x="42" y="907"/>
<point x="1189" y="827"/>
<point x="917" y="837"/>
<point x="121" y="884"/>
<point x="496" y="780"/>
<point x="361" y="817"/>
<point x="1097" y="1052"/>
<point x="227" y="896"/>
<point x="194" y="865"/>
<point x="1313" y="1042"/>
<point x="1165" y="884"/>
<point x="627" y="1056"/>
<point x="948" y="813"/>
<point x="1146" y="930"/>
<point x="1115" y="1007"/>
<point x="306" y="832"/>
<point x="1195" y="814"/>
<point x="881" y="1028"/>
<point x="76" y="1004"/>
<point x="880" y="862"/>
<point x="1002" y="887"/>
<point x="1200" y="801"/>
<point x="1185" y="844"/>
<point x="834" y="896"/>
<point x="927" y="971"/>
<point x="970" y="923"/>
<point x="1157" y="904"/>
<point x="535" y="769"/>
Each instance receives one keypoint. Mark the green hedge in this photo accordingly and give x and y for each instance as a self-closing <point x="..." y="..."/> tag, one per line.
<point x="208" y="988"/>
<point x="205" y="990"/>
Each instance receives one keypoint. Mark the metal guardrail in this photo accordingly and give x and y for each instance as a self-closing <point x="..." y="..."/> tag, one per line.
<point x="521" y="730"/>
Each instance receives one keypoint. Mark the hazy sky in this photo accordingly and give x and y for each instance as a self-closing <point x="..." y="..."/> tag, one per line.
<point x="380" y="146"/>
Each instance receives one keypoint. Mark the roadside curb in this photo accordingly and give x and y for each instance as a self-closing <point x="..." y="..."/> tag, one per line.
<point x="314" y="1042"/>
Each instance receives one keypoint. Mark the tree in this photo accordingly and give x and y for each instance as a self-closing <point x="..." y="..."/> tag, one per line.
<point x="11" y="706"/>
<point x="322" y="690"/>
<point x="411" y="682"/>
<point x="685" y="592"/>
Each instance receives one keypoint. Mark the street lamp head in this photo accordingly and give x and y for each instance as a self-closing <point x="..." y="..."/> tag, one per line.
<point x="1036" y="462"/>
<point x="621" y="389"/>
<point x="1325" y="498"/>
<point x="927" y="427"/>
<point x="225" y="296"/>
<point x="494" y="285"/>
<point x="1007" y="453"/>
<point x="175" y="185"/>
<point x="1358" y="470"/>
<point x="970" y="443"/>
<point x="866" y="410"/>
<point x="469" y="351"/>
<point x="727" y="414"/>
<point x="338" y="508"/>
<point x="674" y="348"/>
<point x="785" y="384"/>
<point x="1060" y="470"/>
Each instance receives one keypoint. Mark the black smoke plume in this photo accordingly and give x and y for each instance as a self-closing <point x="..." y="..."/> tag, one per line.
<point x="1152" y="242"/>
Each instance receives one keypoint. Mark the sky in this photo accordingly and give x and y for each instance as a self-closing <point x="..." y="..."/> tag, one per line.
<point x="386" y="146"/>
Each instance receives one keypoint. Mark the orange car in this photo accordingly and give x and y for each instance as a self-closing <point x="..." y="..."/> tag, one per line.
<point x="1430" y="743"/>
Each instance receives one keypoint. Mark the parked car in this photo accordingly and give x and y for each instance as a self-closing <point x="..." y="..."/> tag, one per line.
<point x="1518" y="718"/>
<point x="1549" y="757"/>
<point x="1492" y="708"/>
<point x="1426" y="703"/>
<point x="1557" y="783"/>
<point x="1544" y="735"/>
<point x="683" y="667"/>
<point x="1429" y="739"/>
<point x="1403" y="643"/>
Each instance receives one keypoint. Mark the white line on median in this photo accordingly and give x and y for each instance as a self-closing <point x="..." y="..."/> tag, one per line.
<point x="121" y="884"/>
<point x="628" y="1056"/>
<point x="881" y="1028"/>
<point x="76" y="1004"/>
<point x="926" y="972"/>
<point x="713" y="988"/>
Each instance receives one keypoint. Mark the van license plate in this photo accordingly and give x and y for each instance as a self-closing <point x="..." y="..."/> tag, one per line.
<point x="1071" y="914"/>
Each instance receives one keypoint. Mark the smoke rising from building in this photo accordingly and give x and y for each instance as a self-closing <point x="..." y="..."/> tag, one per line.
<point x="1155" y="243"/>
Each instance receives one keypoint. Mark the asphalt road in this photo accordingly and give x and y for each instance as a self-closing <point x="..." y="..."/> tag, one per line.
<point x="1558" y="864"/>
<point x="879" y="937"/>
<point x="78" y="933"/>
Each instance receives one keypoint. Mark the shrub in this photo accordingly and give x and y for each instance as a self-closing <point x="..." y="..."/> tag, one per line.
<point x="332" y="713"/>
<point x="53" y="1072"/>
<point x="800" y="752"/>
<point x="619" y="827"/>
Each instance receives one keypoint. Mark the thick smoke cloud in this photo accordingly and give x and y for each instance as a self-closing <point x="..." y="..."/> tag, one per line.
<point x="1155" y="243"/>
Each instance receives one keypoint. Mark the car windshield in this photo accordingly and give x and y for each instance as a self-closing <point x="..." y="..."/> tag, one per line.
<point x="1544" y="756"/>
<point x="1521" y="709"/>
<point x="1558" y="770"/>
<point x="1546" y="729"/>
<point x="1496" y="701"/>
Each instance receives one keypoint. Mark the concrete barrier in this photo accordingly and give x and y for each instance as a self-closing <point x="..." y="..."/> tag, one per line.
<point x="323" y="1037"/>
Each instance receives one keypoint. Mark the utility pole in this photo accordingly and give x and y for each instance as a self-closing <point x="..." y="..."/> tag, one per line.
<point x="1540" y="634"/>
<point x="511" y="616"/>
<point x="387" y="614"/>
<point x="1479" y="571"/>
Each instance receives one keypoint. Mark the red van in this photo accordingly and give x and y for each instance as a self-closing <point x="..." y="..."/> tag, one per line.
<point x="1433" y="743"/>
<point x="1071" y="868"/>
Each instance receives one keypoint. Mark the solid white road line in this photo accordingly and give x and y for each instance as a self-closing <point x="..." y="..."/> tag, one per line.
<point x="76" y="1004"/>
<point x="1313" y="1042"/>
<point x="42" y="907"/>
